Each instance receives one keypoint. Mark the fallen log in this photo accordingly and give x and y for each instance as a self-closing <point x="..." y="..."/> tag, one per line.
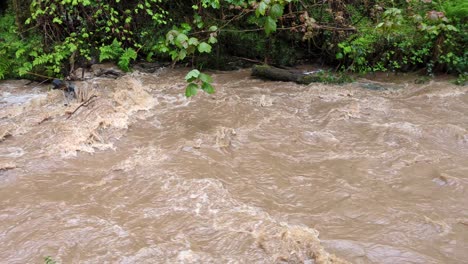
<point x="277" y="74"/>
<point x="110" y="73"/>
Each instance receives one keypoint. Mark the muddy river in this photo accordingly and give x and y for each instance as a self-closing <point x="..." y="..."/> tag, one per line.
<point x="259" y="172"/>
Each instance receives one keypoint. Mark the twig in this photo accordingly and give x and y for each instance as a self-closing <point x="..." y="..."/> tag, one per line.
<point x="39" y="75"/>
<point x="43" y="81"/>
<point x="249" y="60"/>
<point x="45" y="119"/>
<point x="85" y="103"/>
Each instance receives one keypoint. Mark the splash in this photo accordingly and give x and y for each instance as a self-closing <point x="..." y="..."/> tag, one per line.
<point x="65" y="130"/>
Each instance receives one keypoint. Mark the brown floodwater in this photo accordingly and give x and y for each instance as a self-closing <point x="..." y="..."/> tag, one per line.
<point x="259" y="172"/>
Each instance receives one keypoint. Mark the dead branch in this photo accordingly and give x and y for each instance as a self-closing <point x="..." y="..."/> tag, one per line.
<point x="45" y="119"/>
<point x="249" y="60"/>
<point x="85" y="104"/>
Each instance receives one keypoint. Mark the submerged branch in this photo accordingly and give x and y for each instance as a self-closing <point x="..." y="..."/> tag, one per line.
<point x="85" y="103"/>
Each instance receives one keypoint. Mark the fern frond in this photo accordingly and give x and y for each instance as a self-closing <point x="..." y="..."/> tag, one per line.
<point x="110" y="52"/>
<point x="4" y="64"/>
<point x="23" y="70"/>
<point x="124" y="60"/>
<point x="43" y="59"/>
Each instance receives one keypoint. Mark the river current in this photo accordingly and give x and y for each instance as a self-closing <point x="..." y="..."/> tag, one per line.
<point x="259" y="172"/>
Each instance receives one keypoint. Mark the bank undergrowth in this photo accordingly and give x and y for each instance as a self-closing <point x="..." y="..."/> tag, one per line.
<point x="54" y="37"/>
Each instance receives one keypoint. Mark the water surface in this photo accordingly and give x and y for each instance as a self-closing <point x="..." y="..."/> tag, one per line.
<point x="260" y="172"/>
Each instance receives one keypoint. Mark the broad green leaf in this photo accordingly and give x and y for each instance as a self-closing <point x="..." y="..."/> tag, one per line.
<point x="170" y="36"/>
<point x="193" y="41"/>
<point x="452" y="28"/>
<point x="339" y="55"/>
<point x="182" y="54"/>
<point x="192" y="75"/>
<point x="191" y="89"/>
<point x="57" y="20"/>
<point x="72" y="47"/>
<point x="207" y="88"/>
<point x="174" y="54"/>
<point x="212" y="40"/>
<point x="204" y="47"/>
<point x="261" y="9"/>
<point x="186" y="27"/>
<point x="270" y="25"/>
<point x="276" y="11"/>
<point x="205" y="78"/>
<point x="181" y="41"/>
<point x="213" y="28"/>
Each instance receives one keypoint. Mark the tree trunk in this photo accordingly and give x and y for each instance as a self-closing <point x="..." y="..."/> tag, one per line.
<point x="21" y="9"/>
<point x="277" y="74"/>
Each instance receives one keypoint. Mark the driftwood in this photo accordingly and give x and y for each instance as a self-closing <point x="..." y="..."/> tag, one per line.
<point x="85" y="104"/>
<point x="277" y="74"/>
<point x="109" y="73"/>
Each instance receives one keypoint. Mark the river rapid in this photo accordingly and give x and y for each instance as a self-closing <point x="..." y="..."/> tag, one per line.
<point x="259" y="172"/>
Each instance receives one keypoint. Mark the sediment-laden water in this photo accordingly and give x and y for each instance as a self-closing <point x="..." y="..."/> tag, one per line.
<point x="260" y="172"/>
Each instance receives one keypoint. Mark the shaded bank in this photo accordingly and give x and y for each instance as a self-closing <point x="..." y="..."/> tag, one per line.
<point x="52" y="38"/>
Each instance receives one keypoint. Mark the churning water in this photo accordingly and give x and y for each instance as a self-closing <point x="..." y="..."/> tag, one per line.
<point x="260" y="172"/>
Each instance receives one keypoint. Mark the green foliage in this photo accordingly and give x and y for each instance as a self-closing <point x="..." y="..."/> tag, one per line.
<point x="415" y="34"/>
<point x="462" y="79"/>
<point x="16" y="53"/>
<point x="4" y="64"/>
<point x="332" y="77"/>
<point x="128" y="55"/>
<point x="179" y="43"/>
<point x="110" y="52"/>
<point x="197" y="80"/>
<point x="357" y="36"/>
<point x="357" y="51"/>
<point x="49" y="260"/>
<point x="76" y="30"/>
<point x="114" y="51"/>
<point x="204" y="47"/>
<point x="456" y="9"/>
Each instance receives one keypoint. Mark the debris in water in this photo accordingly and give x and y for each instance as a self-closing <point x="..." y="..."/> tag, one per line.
<point x="4" y="135"/>
<point x="374" y="87"/>
<point x="7" y="166"/>
<point x="47" y="118"/>
<point x="295" y="244"/>
<point x="224" y="137"/>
